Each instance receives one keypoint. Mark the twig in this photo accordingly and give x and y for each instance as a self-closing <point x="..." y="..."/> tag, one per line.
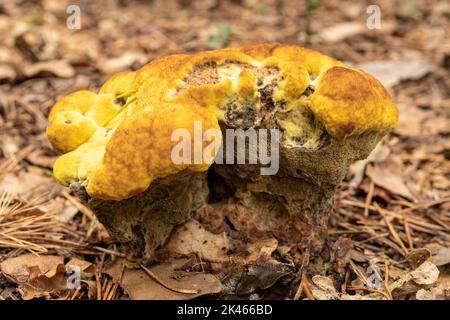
<point x="408" y="234"/>
<point x="116" y="285"/>
<point x="344" y="284"/>
<point x="99" y="287"/>
<point x="75" y="293"/>
<point x="306" y="287"/>
<point x="425" y="205"/>
<point x="154" y="277"/>
<point x="392" y="230"/>
<point x="386" y="279"/>
<point x="299" y="290"/>
<point x="368" y="199"/>
<point x="109" y="285"/>
<point x="114" y="253"/>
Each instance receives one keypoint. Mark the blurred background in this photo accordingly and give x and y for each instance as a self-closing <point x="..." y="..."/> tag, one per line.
<point x="49" y="48"/>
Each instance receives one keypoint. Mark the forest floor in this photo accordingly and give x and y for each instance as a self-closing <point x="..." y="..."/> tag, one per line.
<point x="391" y="217"/>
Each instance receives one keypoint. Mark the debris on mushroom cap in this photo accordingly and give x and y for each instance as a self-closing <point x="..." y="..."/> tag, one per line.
<point x="118" y="141"/>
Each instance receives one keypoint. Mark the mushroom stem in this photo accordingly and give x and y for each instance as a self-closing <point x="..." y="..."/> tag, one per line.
<point x="144" y="222"/>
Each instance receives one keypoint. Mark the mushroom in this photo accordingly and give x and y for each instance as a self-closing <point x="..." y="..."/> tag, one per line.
<point x="118" y="145"/>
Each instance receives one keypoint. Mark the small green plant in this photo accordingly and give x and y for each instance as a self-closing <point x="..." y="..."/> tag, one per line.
<point x="305" y="25"/>
<point x="313" y="4"/>
<point x="222" y="37"/>
<point x="411" y="10"/>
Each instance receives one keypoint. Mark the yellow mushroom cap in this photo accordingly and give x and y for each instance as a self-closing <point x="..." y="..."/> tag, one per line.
<point x="69" y="129"/>
<point x="118" y="141"/>
<point x="348" y="101"/>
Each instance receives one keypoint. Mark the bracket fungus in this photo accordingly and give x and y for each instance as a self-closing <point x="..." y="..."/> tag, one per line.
<point x="118" y="145"/>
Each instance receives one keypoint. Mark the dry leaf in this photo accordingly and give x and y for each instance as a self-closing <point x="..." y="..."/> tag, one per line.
<point x="124" y="62"/>
<point x="357" y="169"/>
<point x="192" y="237"/>
<point x="410" y="120"/>
<point x="440" y="181"/>
<point x="36" y="275"/>
<point x="18" y="269"/>
<point x="42" y="276"/>
<point x="323" y="288"/>
<point x="410" y="282"/>
<point x="426" y="273"/>
<point x="358" y="256"/>
<point x="441" y="291"/>
<point x="139" y="286"/>
<point x="7" y="72"/>
<point x="9" y="145"/>
<point x="92" y="288"/>
<point x="87" y="268"/>
<point x="59" y="68"/>
<point x="40" y="158"/>
<point x="341" y="31"/>
<point x="435" y="125"/>
<point x="437" y="293"/>
<point x="442" y="257"/>
<point x="23" y="182"/>
<point x="392" y="72"/>
<point x="388" y="175"/>
<point x="64" y="208"/>
<point x="261" y="274"/>
<point x="418" y="256"/>
<point x="261" y="249"/>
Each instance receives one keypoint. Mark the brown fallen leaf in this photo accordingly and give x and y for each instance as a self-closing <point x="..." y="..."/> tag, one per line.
<point x="261" y="249"/>
<point x="18" y="269"/>
<point x="440" y="181"/>
<point x="418" y="256"/>
<point x="24" y="182"/>
<point x="441" y="290"/>
<point x="437" y="293"/>
<point x="36" y="275"/>
<point x="411" y="282"/>
<point x="411" y="120"/>
<point x="123" y="62"/>
<point x="58" y="68"/>
<point x="441" y="257"/>
<point x="341" y="31"/>
<point x="192" y="237"/>
<point x="388" y="175"/>
<point x="140" y="286"/>
<point x="65" y="211"/>
<point x="437" y="125"/>
<point x="46" y="275"/>
<point x="323" y="288"/>
<point x="392" y="72"/>
<point x="7" y="72"/>
<point x="9" y="145"/>
<point x="40" y="158"/>
<point x="357" y="169"/>
<point x="358" y="256"/>
<point x="87" y="268"/>
<point x="260" y="275"/>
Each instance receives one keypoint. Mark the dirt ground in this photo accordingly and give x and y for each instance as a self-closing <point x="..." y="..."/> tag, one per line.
<point x="391" y="217"/>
